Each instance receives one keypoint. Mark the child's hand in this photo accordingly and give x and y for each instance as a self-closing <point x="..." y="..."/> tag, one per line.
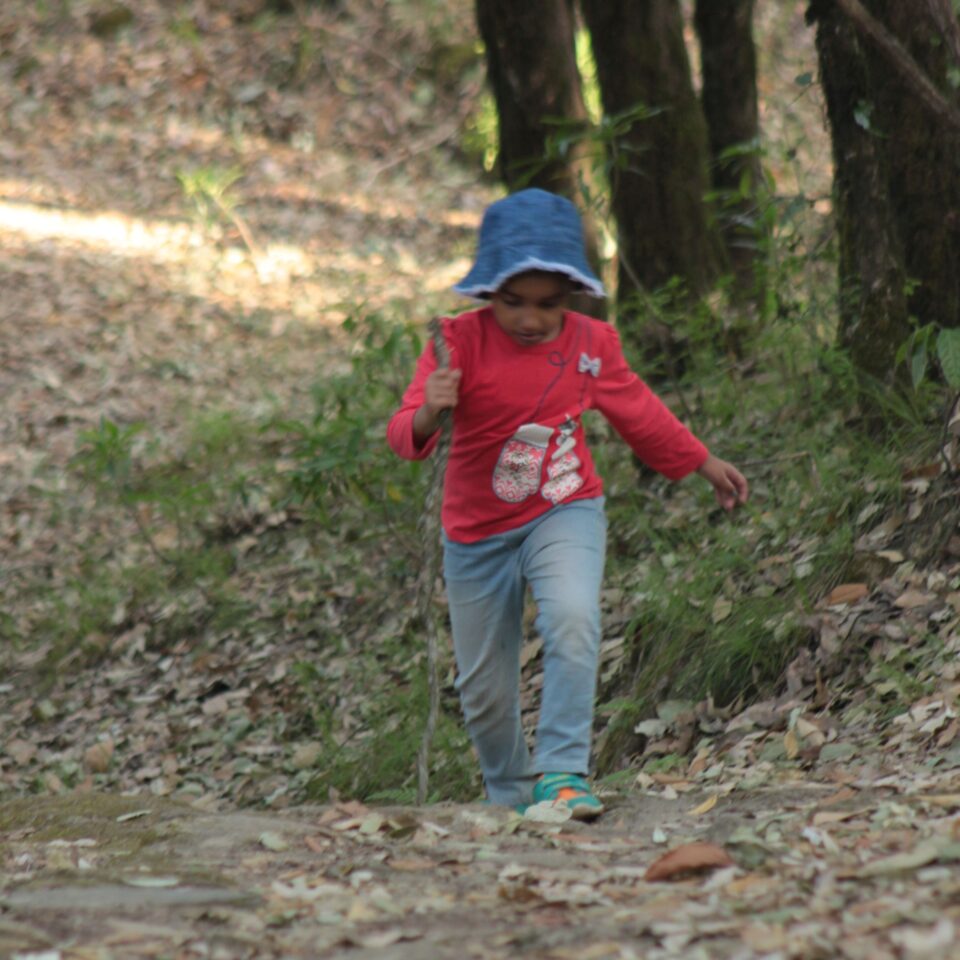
<point x="440" y="390"/>
<point x="728" y="483"/>
<point x="439" y="394"/>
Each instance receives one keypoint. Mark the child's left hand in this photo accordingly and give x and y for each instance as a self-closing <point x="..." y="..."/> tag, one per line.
<point x="728" y="483"/>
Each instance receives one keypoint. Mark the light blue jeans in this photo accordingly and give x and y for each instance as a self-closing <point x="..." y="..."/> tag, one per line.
<point x="560" y="555"/>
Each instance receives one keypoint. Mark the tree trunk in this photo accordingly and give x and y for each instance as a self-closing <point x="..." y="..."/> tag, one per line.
<point x="873" y="305"/>
<point x="659" y="165"/>
<point x="924" y="163"/>
<point x="897" y="171"/>
<point x="533" y="73"/>
<point x="532" y="69"/>
<point x="729" y="96"/>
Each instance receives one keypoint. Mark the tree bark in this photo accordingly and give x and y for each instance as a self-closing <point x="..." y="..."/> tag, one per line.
<point x="900" y="59"/>
<point x="729" y="96"/>
<point x="872" y="271"/>
<point x="659" y="174"/>
<point x="897" y="170"/>
<point x="924" y="163"/>
<point x="532" y="70"/>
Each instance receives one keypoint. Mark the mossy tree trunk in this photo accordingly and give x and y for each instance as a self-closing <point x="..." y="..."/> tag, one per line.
<point x="897" y="168"/>
<point x="728" y="61"/>
<point x="659" y="175"/>
<point x="532" y="70"/>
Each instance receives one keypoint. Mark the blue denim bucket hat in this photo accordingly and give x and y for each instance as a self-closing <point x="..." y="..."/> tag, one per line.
<point x="529" y="230"/>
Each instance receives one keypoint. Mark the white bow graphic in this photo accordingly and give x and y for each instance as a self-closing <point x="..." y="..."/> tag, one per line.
<point x="589" y="365"/>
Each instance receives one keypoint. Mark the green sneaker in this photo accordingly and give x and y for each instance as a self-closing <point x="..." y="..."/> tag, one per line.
<point x="571" y="790"/>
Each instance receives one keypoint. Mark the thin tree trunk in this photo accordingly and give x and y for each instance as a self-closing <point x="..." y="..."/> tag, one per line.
<point x="659" y="174"/>
<point x="532" y="69"/>
<point x="729" y="97"/>
<point x="533" y="73"/>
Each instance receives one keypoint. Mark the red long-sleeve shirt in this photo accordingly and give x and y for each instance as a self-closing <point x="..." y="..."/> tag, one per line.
<point x="518" y="445"/>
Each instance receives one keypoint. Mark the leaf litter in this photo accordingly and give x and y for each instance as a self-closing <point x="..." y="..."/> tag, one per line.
<point x="820" y="822"/>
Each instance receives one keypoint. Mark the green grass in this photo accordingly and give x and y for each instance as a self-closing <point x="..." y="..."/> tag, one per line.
<point x="714" y="604"/>
<point x="163" y="554"/>
<point x="710" y="604"/>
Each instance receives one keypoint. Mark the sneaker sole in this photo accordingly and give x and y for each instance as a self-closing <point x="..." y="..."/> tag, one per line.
<point x="583" y="812"/>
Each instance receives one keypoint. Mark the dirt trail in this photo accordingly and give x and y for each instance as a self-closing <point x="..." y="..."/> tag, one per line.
<point x="814" y="874"/>
<point x="119" y="301"/>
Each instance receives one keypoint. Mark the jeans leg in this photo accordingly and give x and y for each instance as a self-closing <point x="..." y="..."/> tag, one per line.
<point x="563" y="560"/>
<point x="485" y="594"/>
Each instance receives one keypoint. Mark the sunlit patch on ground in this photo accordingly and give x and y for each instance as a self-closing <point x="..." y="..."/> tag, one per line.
<point x="119" y="234"/>
<point x="312" y="284"/>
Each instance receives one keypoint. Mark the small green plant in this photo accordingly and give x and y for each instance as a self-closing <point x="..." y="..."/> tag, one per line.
<point x="930" y="346"/>
<point x="108" y="451"/>
<point x="210" y="189"/>
<point x="184" y="27"/>
<point x="342" y="464"/>
<point x="669" y="763"/>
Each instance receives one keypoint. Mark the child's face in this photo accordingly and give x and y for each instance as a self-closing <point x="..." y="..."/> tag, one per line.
<point x="529" y="307"/>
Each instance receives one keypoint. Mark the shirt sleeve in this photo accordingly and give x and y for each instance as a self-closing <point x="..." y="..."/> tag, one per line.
<point x="644" y="421"/>
<point x="400" y="428"/>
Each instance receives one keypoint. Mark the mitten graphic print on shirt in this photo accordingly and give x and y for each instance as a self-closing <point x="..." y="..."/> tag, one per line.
<point x="564" y="464"/>
<point x="517" y="474"/>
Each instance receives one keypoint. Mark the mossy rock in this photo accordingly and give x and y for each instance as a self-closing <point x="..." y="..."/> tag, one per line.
<point x="130" y="834"/>
<point x="100" y="816"/>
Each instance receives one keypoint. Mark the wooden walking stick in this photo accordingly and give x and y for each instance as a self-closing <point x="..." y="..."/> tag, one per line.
<point x="430" y="526"/>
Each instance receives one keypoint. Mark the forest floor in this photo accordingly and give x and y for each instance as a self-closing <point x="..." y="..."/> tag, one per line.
<point x="805" y="829"/>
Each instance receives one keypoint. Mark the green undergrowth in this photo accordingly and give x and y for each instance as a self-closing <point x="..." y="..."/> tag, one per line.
<point x="709" y="604"/>
<point x="714" y="605"/>
<point x="376" y="762"/>
<point x="302" y="534"/>
<point x="161" y="553"/>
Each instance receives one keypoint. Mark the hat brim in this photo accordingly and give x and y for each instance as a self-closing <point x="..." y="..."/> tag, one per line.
<point x="472" y="285"/>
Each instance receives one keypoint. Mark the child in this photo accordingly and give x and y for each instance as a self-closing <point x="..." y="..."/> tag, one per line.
<point x="522" y="502"/>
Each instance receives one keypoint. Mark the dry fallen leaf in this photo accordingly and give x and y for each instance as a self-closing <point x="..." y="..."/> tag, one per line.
<point x="317" y="844"/>
<point x="750" y="884"/>
<point x="827" y="817"/>
<point x="722" y="609"/>
<point x="919" y="856"/>
<point x="22" y="751"/>
<point x="764" y="938"/>
<point x="273" y="841"/>
<point x="949" y="800"/>
<point x="412" y="864"/>
<point x="705" y="807"/>
<point x="893" y="556"/>
<point x="689" y="858"/>
<point x="847" y="593"/>
<point x="97" y="757"/>
<point x="911" y="599"/>
<point x="949" y="735"/>
<point x="841" y="796"/>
